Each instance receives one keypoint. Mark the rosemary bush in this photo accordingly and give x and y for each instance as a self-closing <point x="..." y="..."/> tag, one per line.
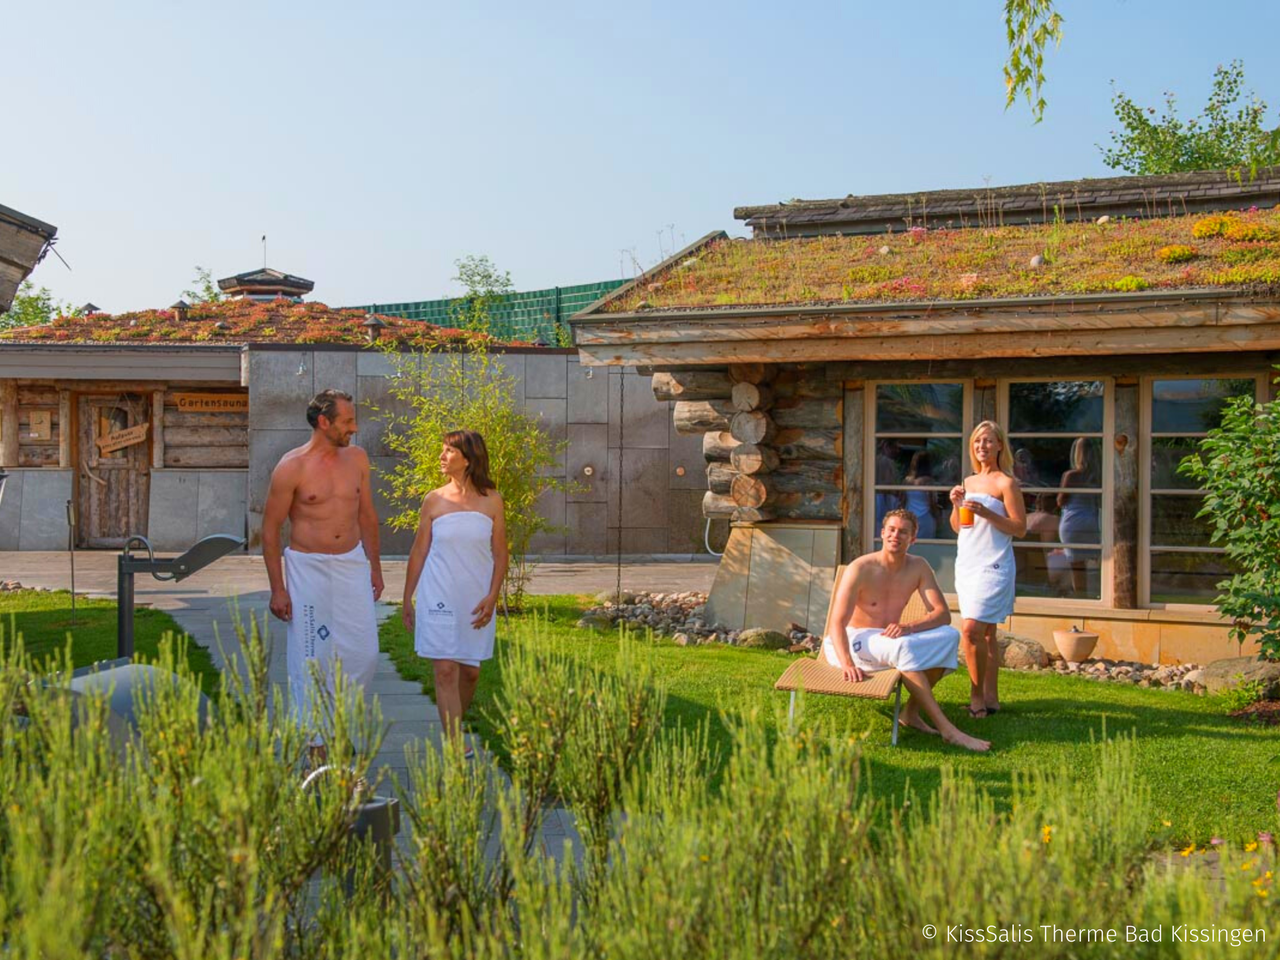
<point x="187" y="842"/>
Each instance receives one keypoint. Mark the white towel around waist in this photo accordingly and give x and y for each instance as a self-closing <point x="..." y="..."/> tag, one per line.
<point x="871" y="650"/>
<point x="333" y="621"/>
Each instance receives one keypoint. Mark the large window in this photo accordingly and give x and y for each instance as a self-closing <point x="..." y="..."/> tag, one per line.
<point x="1057" y="432"/>
<point x="915" y="455"/>
<point x="1180" y="565"/>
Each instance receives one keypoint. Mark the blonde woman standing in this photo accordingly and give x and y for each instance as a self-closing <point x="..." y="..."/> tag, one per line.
<point x="987" y="513"/>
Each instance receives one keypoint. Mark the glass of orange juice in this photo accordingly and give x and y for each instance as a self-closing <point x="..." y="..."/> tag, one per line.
<point x="966" y="516"/>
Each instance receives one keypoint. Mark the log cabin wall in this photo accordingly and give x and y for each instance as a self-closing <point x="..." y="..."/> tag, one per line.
<point x="204" y="438"/>
<point x="193" y="462"/>
<point x="40" y="426"/>
<point x="772" y="438"/>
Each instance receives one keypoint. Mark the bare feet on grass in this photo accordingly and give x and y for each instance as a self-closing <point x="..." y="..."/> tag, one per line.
<point x="913" y="720"/>
<point x="962" y="739"/>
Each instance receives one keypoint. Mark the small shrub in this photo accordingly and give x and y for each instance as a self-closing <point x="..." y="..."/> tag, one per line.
<point x="1212" y="226"/>
<point x="1266" y="272"/>
<point x="1130" y="284"/>
<point x="1244" y="694"/>
<point x="1176" y="253"/>
<point x="871" y="273"/>
<point x="1243" y="232"/>
<point x="1249" y="254"/>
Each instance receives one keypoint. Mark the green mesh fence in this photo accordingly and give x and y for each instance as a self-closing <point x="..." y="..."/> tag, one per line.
<point x="533" y="316"/>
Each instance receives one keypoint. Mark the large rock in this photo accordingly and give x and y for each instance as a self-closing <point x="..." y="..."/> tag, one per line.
<point x="1234" y="671"/>
<point x="765" y="639"/>
<point x="1021" y="653"/>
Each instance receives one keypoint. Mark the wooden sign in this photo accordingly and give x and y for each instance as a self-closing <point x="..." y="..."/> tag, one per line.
<point x="41" y="425"/>
<point x="212" y="402"/>
<point x="119" y="439"/>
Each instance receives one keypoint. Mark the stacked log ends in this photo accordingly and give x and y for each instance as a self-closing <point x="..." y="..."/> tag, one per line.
<point x="749" y="491"/>
<point x="752" y="372"/>
<point x="720" y="477"/>
<point x="751" y="458"/>
<point x="751" y="396"/>
<point x="752" y="426"/>
<point x="718" y="445"/>
<point x="772" y="441"/>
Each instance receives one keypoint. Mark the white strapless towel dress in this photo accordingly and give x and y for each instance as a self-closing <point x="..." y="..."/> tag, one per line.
<point x="985" y="571"/>
<point x="455" y="578"/>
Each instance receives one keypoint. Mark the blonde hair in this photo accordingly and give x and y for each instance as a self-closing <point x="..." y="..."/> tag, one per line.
<point x="1005" y="460"/>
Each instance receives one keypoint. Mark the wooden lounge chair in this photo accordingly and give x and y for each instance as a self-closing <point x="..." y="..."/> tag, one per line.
<point x="815" y="675"/>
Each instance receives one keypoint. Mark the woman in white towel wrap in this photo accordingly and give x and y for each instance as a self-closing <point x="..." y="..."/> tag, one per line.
<point x="456" y="569"/>
<point x="994" y="514"/>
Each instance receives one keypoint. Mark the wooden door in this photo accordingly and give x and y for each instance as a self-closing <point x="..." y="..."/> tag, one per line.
<point x="113" y="459"/>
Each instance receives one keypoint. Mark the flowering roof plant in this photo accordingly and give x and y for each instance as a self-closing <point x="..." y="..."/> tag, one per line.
<point x="1235" y="249"/>
<point x="241" y="321"/>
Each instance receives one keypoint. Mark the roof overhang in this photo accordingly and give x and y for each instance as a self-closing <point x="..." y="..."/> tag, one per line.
<point x="1184" y="321"/>
<point x="115" y="361"/>
<point x="24" y="241"/>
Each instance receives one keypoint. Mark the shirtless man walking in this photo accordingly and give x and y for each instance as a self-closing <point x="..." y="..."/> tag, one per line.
<point x="865" y="633"/>
<point x="325" y="582"/>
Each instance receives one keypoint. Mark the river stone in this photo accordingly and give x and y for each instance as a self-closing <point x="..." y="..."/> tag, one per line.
<point x="765" y="639"/>
<point x="1230" y="673"/>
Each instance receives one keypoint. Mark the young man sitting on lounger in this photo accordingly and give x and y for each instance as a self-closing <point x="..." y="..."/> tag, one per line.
<point x="865" y="635"/>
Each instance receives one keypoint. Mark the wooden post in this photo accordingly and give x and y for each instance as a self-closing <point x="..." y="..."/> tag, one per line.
<point x="984" y="402"/>
<point x="1125" y="497"/>
<point x="64" y="429"/>
<point x="852" y="503"/>
<point x="157" y="430"/>
<point x="8" y="423"/>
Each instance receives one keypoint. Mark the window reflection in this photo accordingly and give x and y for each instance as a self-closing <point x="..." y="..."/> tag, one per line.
<point x="1060" y="406"/>
<point x="1069" y="573"/>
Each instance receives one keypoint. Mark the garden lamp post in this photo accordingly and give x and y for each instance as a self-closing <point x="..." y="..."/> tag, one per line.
<point x="198" y="556"/>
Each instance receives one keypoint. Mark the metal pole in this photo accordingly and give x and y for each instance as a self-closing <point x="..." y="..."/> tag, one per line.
<point x="124" y="607"/>
<point x="71" y="546"/>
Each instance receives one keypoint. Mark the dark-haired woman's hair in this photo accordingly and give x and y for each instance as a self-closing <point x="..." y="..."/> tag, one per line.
<point x="471" y="445"/>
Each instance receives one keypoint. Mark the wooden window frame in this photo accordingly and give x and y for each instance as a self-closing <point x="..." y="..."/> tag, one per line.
<point x="869" y="436"/>
<point x="1106" y="515"/>
<point x="1145" y="492"/>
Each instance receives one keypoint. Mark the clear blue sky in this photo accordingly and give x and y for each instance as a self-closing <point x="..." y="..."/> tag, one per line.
<point x="376" y="143"/>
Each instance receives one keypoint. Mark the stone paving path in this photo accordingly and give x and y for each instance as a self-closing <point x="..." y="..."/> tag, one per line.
<point x="202" y="606"/>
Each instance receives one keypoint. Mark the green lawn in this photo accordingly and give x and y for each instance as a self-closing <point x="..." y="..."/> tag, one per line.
<point x="1209" y="774"/>
<point x="43" y="618"/>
